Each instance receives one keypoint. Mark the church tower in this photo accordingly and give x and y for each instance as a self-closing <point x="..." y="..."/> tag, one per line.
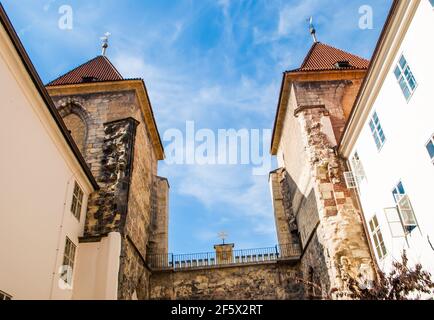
<point x="312" y="203"/>
<point x="112" y="122"/>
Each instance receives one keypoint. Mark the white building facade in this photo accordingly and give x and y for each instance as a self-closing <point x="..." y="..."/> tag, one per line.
<point x="44" y="186"/>
<point x="389" y="139"/>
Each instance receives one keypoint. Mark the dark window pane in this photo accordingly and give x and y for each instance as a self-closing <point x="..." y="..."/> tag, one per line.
<point x="371" y="124"/>
<point x="430" y="147"/>
<point x="397" y="73"/>
<point x="412" y="83"/>
<point x="400" y="188"/>
<point x="402" y="62"/>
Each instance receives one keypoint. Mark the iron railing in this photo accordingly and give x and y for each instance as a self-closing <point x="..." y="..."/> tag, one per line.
<point x="209" y="259"/>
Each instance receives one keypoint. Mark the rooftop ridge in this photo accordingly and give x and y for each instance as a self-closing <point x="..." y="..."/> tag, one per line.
<point x="97" y="69"/>
<point x="323" y="57"/>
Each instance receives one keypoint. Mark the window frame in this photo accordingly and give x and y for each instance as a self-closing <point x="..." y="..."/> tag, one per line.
<point x="77" y="201"/>
<point x="69" y="261"/>
<point x="403" y="73"/>
<point x="430" y="141"/>
<point x="378" y="239"/>
<point x="358" y="167"/>
<point x="5" y="296"/>
<point x="396" y="191"/>
<point x="377" y="132"/>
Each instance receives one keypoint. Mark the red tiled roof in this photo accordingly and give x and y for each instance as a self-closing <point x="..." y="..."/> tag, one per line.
<point x="98" y="69"/>
<point x="322" y="57"/>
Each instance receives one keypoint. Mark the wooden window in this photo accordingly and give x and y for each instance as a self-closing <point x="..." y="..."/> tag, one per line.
<point x="68" y="261"/>
<point x="5" y="296"/>
<point x="77" y="201"/>
<point x="405" y="208"/>
<point x="405" y="78"/>
<point x="377" y="131"/>
<point x="378" y="238"/>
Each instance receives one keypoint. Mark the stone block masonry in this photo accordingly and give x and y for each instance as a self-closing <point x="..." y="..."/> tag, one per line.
<point x="117" y="144"/>
<point x="267" y="281"/>
<point x="312" y="186"/>
<point x="286" y="226"/>
<point x="107" y="208"/>
<point x="340" y="230"/>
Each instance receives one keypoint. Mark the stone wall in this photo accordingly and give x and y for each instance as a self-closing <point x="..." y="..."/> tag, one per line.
<point x="328" y="220"/>
<point x="77" y="128"/>
<point x="159" y="240"/>
<point x="340" y="231"/>
<point x="246" y="282"/>
<point x="304" y="221"/>
<point x="119" y="151"/>
<point x="314" y="268"/>
<point x="282" y="219"/>
<point x="329" y="94"/>
<point x="107" y="207"/>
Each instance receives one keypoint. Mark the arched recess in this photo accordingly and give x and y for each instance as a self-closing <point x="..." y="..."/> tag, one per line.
<point x="77" y="128"/>
<point x="77" y="120"/>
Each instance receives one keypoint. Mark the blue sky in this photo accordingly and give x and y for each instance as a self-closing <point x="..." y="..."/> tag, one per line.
<point x="218" y="63"/>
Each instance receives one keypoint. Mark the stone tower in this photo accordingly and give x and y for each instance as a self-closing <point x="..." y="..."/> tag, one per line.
<point x="311" y="201"/>
<point x="112" y="122"/>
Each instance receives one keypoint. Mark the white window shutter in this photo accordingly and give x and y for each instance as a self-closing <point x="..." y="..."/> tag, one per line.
<point x="406" y="211"/>
<point x="350" y="180"/>
<point x="394" y="221"/>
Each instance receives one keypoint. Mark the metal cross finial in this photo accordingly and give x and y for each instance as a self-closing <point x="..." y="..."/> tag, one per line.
<point x="223" y="235"/>
<point x="105" y="42"/>
<point x="312" y="30"/>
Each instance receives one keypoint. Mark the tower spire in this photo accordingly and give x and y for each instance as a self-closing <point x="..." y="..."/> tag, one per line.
<point x="312" y="30"/>
<point x="105" y="42"/>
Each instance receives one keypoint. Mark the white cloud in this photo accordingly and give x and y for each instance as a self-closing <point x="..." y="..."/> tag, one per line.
<point x="292" y="21"/>
<point x="225" y="6"/>
<point x="217" y="185"/>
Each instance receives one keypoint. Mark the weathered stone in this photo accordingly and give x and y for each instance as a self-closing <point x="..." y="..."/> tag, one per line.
<point x="118" y="148"/>
<point x="245" y="282"/>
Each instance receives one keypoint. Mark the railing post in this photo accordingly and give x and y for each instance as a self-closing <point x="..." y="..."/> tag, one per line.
<point x="277" y="252"/>
<point x="173" y="262"/>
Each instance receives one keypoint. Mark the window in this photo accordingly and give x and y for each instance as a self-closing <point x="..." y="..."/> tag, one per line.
<point x="405" y="78"/>
<point x="430" y="146"/>
<point x="398" y="190"/>
<point x="5" y="296"/>
<point x="377" y="131"/>
<point x="77" y="201"/>
<point x="405" y="208"/>
<point x="378" y="238"/>
<point x="350" y="180"/>
<point x="358" y="169"/>
<point x="68" y="261"/>
<point x="395" y="222"/>
<point x="343" y="64"/>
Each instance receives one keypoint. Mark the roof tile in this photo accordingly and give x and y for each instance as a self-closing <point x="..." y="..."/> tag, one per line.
<point x="96" y="70"/>
<point x="322" y="57"/>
